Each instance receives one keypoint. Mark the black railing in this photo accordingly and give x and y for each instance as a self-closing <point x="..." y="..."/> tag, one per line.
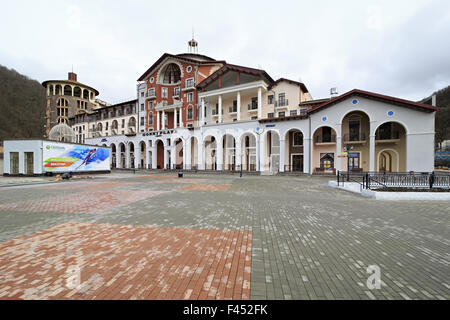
<point x="387" y="136"/>
<point x="411" y="180"/>
<point x="355" y="137"/>
<point x="325" y="138"/>
<point x="282" y="103"/>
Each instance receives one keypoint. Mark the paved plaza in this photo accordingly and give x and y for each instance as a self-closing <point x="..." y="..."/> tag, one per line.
<point x="217" y="236"/>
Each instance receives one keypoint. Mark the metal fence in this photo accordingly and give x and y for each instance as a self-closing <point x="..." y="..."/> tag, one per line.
<point x="411" y="180"/>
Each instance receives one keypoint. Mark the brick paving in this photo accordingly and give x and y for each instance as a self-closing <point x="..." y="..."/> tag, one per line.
<point x="209" y="236"/>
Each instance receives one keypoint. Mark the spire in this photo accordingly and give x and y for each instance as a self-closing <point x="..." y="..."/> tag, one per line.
<point x="192" y="44"/>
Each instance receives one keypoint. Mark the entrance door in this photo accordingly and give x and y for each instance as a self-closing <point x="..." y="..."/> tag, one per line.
<point x="29" y="163"/>
<point x="14" y="163"/>
<point x="297" y="162"/>
<point x="353" y="161"/>
<point x="231" y="159"/>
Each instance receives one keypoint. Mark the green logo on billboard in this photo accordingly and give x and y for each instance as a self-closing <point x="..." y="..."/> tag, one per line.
<point x="48" y="147"/>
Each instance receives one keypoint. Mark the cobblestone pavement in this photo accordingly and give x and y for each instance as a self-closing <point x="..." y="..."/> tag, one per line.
<point x="211" y="236"/>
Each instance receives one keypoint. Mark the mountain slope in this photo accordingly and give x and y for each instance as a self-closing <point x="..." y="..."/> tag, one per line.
<point x="22" y="106"/>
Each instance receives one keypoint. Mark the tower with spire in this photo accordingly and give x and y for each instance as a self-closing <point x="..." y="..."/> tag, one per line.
<point x="192" y="44"/>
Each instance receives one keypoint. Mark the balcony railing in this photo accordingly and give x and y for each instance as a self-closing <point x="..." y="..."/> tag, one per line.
<point x="281" y="103"/>
<point x="252" y="106"/>
<point x="150" y="95"/>
<point x="388" y="136"/>
<point x="355" y="137"/>
<point x="188" y="86"/>
<point x="325" y="138"/>
<point x="215" y="112"/>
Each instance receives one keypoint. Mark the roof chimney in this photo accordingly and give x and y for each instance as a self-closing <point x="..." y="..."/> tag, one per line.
<point x="72" y="76"/>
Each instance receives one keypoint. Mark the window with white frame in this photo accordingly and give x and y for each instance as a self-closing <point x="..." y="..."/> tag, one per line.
<point x="176" y="91"/>
<point x="190" y="97"/>
<point x="150" y="119"/>
<point x="142" y="121"/>
<point x="189" y="83"/>
<point x="164" y="93"/>
<point x="142" y="107"/>
<point x="190" y="113"/>
<point x="151" y="92"/>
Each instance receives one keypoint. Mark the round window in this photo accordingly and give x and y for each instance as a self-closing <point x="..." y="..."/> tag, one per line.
<point x="188" y="69"/>
<point x="152" y="80"/>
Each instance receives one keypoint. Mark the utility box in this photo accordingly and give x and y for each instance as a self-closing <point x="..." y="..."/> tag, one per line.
<point x="36" y="157"/>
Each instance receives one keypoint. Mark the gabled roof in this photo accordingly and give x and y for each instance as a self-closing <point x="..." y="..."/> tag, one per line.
<point x="232" y="67"/>
<point x="207" y="60"/>
<point x="378" y="97"/>
<point x="300" y="84"/>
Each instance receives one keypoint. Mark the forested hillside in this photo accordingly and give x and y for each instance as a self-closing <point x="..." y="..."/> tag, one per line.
<point x="443" y="115"/>
<point x="22" y="106"/>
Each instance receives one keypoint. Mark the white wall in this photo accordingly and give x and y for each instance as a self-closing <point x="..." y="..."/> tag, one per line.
<point x="22" y="146"/>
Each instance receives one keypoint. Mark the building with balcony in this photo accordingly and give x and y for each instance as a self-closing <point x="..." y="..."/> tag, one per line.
<point x="67" y="98"/>
<point x="195" y="112"/>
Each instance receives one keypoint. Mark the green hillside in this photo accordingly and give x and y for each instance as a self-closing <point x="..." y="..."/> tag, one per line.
<point x="22" y="106"/>
<point x="443" y="115"/>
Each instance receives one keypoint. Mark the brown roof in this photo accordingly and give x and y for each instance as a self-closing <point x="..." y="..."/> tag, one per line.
<point x="300" y="84"/>
<point x="232" y="67"/>
<point x="375" y="96"/>
<point x="168" y="55"/>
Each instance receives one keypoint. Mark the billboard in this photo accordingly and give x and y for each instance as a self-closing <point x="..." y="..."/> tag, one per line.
<point x="64" y="157"/>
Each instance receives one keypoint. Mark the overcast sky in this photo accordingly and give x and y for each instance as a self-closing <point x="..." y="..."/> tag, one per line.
<point x="398" y="48"/>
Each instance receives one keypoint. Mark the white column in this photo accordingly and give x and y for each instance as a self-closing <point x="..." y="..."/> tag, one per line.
<point x="200" y="155"/>
<point x="118" y="164"/>
<point x="203" y="112"/>
<point x="173" y="155"/>
<point x="220" y="108"/>
<point x="282" y="154"/>
<point x="373" y="126"/>
<point x="137" y="156"/>
<point x="166" y="158"/>
<point x="154" y="157"/>
<point x="187" y="156"/>
<point x="181" y="118"/>
<point x="147" y="157"/>
<point x="337" y="160"/>
<point x="219" y="154"/>
<point x="260" y="153"/>
<point x="163" y="120"/>
<point x="238" y="155"/>
<point x="306" y="154"/>
<point x="372" y="153"/>
<point x="127" y="156"/>
<point x="238" y="106"/>
<point x="259" y="103"/>
<point x="175" y="111"/>
<point x="158" y="122"/>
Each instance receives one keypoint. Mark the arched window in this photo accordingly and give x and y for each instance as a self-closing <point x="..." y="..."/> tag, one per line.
<point x="77" y="92"/>
<point x="171" y="73"/>
<point x="132" y="122"/>
<point x="100" y="127"/>
<point x="50" y="90"/>
<point x="85" y="94"/>
<point x="67" y="90"/>
<point x="62" y="102"/>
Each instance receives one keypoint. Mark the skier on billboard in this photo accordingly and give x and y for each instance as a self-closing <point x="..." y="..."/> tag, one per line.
<point x="88" y="157"/>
